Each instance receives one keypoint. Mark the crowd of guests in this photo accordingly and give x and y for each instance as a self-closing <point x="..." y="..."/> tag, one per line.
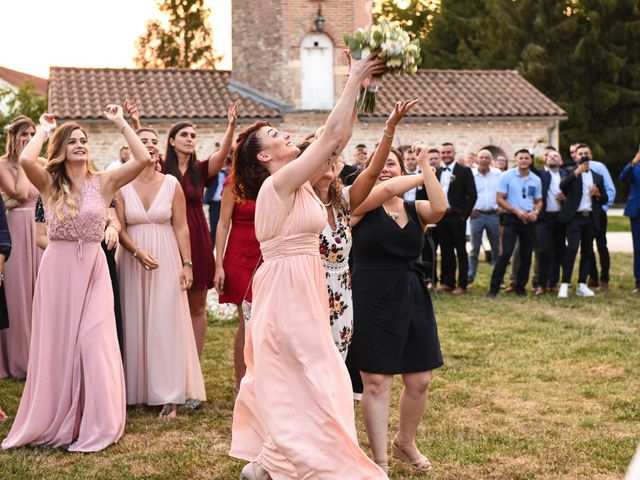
<point x="329" y="265"/>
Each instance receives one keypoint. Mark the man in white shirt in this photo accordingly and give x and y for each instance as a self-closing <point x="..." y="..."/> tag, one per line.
<point x="124" y="154"/>
<point x="485" y="216"/>
<point x="411" y="165"/>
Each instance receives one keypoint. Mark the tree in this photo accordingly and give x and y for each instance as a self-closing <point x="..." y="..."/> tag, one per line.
<point x="186" y="41"/>
<point x="23" y="101"/>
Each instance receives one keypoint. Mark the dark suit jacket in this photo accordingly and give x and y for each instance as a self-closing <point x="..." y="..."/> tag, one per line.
<point x="571" y="186"/>
<point x="631" y="175"/>
<point x="462" y="194"/>
<point x="348" y="174"/>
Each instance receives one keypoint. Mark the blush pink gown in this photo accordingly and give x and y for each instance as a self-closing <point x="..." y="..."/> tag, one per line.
<point x="161" y="359"/>
<point x="74" y="395"/>
<point x="20" y="274"/>
<point x="294" y="413"/>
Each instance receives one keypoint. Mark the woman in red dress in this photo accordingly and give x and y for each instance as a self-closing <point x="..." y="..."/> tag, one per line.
<point x="193" y="175"/>
<point x="237" y="256"/>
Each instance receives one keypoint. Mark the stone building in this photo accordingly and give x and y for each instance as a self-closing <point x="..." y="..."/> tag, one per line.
<point x="288" y="68"/>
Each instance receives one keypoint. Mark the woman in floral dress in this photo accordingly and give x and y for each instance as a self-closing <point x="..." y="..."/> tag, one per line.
<point x="335" y="239"/>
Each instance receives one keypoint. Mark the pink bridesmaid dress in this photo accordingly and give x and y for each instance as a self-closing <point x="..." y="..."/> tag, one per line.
<point x="294" y="413"/>
<point x="161" y="359"/>
<point x="74" y="394"/>
<point x="20" y="274"/>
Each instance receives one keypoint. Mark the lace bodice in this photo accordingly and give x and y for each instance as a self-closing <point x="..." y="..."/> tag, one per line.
<point x="89" y="224"/>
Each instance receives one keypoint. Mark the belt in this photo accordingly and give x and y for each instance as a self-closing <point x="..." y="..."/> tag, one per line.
<point x="488" y="212"/>
<point x="584" y="213"/>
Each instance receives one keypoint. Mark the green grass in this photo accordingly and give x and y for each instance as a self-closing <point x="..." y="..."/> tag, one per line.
<point x="618" y="224"/>
<point x="533" y="388"/>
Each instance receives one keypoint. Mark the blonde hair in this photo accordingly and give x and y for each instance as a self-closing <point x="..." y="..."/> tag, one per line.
<point x="17" y="126"/>
<point x="56" y="156"/>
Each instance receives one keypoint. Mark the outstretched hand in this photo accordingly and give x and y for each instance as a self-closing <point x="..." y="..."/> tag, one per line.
<point x="48" y="122"/>
<point x="367" y="67"/>
<point x="114" y="113"/>
<point x="400" y="109"/>
<point x="232" y="113"/>
<point x="131" y="107"/>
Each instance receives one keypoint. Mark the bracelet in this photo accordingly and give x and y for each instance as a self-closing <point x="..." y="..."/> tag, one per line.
<point x="135" y="254"/>
<point x="187" y="263"/>
<point x="385" y="134"/>
<point x="123" y="127"/>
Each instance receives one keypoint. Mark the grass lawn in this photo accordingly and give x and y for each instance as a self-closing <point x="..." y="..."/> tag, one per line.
<point x="533" y="388"/>
<point x="618" y="224"/>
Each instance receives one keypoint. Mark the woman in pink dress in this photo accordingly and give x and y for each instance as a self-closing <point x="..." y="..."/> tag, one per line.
<point x="237" y="257"/>
<point x="74" y="396"/>
<point x="294" y="415"/>
<point x="154" y="272"/>
<point x="21" y="271"/>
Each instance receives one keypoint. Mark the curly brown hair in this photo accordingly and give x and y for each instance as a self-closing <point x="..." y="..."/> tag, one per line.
<point x="247" y="172"/>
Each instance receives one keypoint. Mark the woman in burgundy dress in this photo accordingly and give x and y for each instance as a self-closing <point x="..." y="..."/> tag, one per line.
<point x="193" y="175"/>
<point x="237" y="256"/>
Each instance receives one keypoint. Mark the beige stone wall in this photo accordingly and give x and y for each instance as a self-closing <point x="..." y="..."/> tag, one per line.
<point x="509" y="135"/>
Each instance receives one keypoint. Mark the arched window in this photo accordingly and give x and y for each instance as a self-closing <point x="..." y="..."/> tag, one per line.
<point x="495" y="151"/>
<point x="316" y="63"/>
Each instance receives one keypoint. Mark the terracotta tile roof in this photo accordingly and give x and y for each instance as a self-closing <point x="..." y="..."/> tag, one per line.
<point x="466" y="93"/>
<point x="16" y="79"/>
<point x="82" y="93"/>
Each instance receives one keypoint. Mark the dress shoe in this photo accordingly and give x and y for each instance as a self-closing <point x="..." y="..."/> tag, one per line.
<point x="521" y="293"/>
<point x="603" y="287"/>
<point x="444" y="288"/>
<point x="491" y="294"/>
<point x="592" y="282"/>
<point x="459" y="291"/>
<point x="583" y="291"/>
<point x="539" y="291"/>
<point x="563" y="292"/>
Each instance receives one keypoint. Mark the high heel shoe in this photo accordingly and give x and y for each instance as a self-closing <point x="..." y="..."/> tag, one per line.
<point x="254" y="471"/>
<point x="420" y="462"/>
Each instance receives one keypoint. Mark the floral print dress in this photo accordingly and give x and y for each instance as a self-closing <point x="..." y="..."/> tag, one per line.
<point x="334" y="250"/>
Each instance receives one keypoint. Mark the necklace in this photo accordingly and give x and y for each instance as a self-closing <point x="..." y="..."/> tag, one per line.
<point x="326" y="204"/>
<point x="394" y="214"/>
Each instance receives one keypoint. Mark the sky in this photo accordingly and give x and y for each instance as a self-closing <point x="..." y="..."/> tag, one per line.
<point x="38" y="34"/>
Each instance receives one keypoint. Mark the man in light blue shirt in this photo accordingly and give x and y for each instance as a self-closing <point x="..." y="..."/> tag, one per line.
<point x="602" y="282"/>
<point x="520" y="195"/>
<point x="485" y="216"/>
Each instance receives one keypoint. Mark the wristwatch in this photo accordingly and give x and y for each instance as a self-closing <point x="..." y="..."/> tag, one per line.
<point x="187" y="263"/>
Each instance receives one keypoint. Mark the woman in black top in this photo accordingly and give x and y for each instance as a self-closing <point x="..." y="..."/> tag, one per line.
<point x="394" y="325"/>
<point x="5" y="251"/>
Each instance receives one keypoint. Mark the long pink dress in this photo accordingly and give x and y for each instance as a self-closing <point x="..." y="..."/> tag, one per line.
<point x="294" y="413"/>
<point x="161" y="360"/>
<point x="74" y="395"/>
<point x="20" y="274"/>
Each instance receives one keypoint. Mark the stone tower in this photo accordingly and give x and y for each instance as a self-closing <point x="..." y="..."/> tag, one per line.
<point x="285" y="55"/>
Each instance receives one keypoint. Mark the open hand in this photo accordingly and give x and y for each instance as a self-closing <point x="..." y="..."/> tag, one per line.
<point x="232" y="113"/>
<point x="131" y="108"/>
<point x="48" y="122"/>
<point x="400" y="110"/>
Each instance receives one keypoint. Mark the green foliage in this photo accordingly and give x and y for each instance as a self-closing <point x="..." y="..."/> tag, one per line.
<point x="186" y="42"/>
<point x="580" y="53"/>
<point x="24" y="101"/>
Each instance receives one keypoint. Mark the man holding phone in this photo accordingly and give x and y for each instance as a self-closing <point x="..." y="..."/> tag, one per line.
<point x="585" y="195"/>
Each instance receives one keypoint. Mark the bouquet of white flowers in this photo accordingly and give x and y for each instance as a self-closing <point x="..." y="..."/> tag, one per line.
<point x="401" y="53"/>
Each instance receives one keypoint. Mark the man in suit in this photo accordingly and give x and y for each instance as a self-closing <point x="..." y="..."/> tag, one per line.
<point x="550" y="230"/>
<point x="429" y="252"/>
<point x="520" y="196"/>
<point x="631" y="175"/>
<point x="582" y="213"/>
<point x="349" y="173"/>
<point x="460" y="189"/>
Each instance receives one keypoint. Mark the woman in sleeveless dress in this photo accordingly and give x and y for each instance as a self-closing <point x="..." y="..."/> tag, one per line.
<point x="237" y="257"/>
<point x="394" y="327"/>
<point x="74" y="396"/>
<point x="21" y="271"/>
<point x="294" y="416"/>
<point x="155" y="270"/>
<point x="335" y="239"/>
<point x="181" y="162"/>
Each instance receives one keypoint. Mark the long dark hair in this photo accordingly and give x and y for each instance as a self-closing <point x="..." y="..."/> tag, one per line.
<point x="247" y="172"/>
<point x="171" y="166"/>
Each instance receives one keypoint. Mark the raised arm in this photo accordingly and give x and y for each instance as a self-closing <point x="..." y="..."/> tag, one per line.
<point x="432" y="210"/>
<point x="385" y="191"/>
<point x="112" y="180"/>
<point x="29" y="158"/>
<point x="293" y="175"/>
<point x="367" y="179"/>
<point x="227" y="204"/>
<point x="181" y="231"/>
<point x="131" y="107"/>
<point x="15" y="187"/>
<point x="217" y="159"/>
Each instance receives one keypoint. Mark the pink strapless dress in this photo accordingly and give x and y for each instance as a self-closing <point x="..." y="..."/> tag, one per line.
<point x="20" y="274"/>
<point x="74" y="396"/>
<point x="294" y="412"/>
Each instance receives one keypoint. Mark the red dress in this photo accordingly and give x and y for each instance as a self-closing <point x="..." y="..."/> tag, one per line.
<point x="242" y="253"/>
<point x="201" y="247"/>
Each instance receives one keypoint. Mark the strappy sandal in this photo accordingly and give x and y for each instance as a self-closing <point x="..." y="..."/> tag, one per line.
<point x="167" y="411"/>
<point x="384" y="466"/>
<point x="254" y="471"/>
<point x="420" y="463"/>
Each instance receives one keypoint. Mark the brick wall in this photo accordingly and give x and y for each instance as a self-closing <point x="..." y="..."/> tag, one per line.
<point x="509" y="135"/>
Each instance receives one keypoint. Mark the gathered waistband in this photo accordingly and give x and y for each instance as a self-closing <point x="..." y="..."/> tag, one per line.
<point x="300" y="244"/>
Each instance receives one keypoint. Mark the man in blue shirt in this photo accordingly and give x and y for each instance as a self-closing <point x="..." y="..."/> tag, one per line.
<point x="601" y="233"/>
<point x="520" y="195"/>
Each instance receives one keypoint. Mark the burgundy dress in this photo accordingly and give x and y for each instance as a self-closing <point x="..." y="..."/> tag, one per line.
<point x="201" y="247"/>
<point x="242" y="253"/>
